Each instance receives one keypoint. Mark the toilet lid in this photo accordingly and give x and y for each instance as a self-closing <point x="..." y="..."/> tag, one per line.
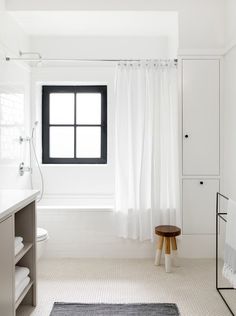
<point x="42" y="234"/>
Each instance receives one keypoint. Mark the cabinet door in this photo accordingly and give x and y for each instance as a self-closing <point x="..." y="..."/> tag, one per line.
<point x="7" y="306"/>
<point x="199" y="196"/>
<point x="201" y="100"/>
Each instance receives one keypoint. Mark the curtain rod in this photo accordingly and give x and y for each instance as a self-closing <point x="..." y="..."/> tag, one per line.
<point x="83" y="60"/>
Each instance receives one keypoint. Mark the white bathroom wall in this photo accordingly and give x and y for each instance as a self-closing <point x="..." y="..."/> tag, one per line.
<point x="12" y="37"/>
<point x="228" y="113"/>
<point x="229" y="108"/>
<point x="14" y="103"/>
<point x="105" y="47"/>
<point x="230" y="22"/>
<point x="200" y="22"/>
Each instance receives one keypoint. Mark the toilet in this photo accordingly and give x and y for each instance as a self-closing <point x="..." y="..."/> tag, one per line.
<point x="42" y="238"/>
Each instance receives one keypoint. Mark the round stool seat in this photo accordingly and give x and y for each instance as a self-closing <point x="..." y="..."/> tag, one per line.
<point x="167" y="231"/>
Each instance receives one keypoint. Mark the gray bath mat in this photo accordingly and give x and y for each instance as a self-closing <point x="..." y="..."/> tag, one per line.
<point x="78" y="309"/>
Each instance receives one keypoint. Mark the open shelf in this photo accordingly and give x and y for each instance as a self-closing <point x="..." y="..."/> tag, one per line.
<point x="27" y="247"/>
<point x="17" y="218"/>
<point x="23" y="294"/>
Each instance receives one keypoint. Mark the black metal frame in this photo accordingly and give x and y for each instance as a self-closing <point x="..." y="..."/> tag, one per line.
<point x="220" y="215"/>
<point x="46" y="90"/>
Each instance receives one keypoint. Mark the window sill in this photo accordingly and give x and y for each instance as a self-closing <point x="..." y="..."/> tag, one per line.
<point x="73" y="165"/>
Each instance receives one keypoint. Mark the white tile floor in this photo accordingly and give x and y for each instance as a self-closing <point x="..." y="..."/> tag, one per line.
<point x="191" y="286"/>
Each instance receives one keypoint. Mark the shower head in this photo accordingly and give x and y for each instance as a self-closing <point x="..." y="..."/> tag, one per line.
<point x="33" y="128"/>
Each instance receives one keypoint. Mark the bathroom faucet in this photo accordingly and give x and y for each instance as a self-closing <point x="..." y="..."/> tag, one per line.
<point x="24" y="139"/>
<point x="23" y="169"/>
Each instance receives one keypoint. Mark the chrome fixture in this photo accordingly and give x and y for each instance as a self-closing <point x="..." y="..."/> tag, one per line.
<point x="27" y="56"/>
<point x="30" y="53"/>
<point x="24" y="139"/>
<point x="23" y="169"/>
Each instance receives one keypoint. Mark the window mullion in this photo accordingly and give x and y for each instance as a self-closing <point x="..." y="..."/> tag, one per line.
<point x="75" y="141"/>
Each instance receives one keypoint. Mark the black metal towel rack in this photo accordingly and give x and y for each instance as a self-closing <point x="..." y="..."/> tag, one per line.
<point x="220" y="215"/>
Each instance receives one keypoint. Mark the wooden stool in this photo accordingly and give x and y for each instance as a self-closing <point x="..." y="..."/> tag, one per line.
<point x="168" y="233"/>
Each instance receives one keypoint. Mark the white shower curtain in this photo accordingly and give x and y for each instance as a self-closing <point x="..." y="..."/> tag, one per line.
<point x="147" y="157"/>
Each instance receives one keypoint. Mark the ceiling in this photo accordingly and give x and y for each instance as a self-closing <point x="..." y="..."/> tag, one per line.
<point x="97" y="23"/>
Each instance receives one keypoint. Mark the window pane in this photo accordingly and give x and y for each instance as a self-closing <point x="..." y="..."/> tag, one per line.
<point x="61" y="108"/>
<point x="88" y="108"/>
<point x="61" y="142"/>
<point x="88" y="142"/>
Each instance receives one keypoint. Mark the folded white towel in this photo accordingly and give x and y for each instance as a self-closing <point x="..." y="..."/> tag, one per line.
<point x="18" y="240"/>
<point x="20" y="288"/>
<point x="229" y="269"/>
<point x="18" y="248"/>
<point x="20" y="274"/>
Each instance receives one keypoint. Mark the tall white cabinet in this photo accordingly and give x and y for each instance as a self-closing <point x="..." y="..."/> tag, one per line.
<point x="200" y="90"/>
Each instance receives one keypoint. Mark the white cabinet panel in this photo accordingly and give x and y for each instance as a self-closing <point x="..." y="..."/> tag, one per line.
<point x="199" y="196"/>
<point x="201" y="99"/>
<point x="6" y="267"/>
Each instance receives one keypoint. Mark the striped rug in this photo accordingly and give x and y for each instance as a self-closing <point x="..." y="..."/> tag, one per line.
<point x="78" y="309"/>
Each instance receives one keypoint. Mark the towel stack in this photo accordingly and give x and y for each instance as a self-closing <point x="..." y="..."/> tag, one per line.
<point x="18" y="245"/>
<point x="21" y="280"/>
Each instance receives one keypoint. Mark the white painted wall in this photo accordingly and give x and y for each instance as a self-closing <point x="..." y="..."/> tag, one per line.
<point x="200" y="22"/>
<point x="228" y="129"/>
<point x="105" y="47"/>
<point x="229" y="108"/>
<point x="230" y="22"/>
<point x="12" y="38"/>
<point x="14" y="103"/>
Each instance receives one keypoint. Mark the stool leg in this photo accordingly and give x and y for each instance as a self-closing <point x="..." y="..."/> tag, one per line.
<point x="167" y="254"/>
<point x="174" y="251"/>
<point x="159" y="250"/>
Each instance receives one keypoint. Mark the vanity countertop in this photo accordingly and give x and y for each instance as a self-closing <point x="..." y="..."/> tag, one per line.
<point x="13" y="200"/>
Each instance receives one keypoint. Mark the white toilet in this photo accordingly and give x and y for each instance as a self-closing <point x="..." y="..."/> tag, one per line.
<point x="42" y="238"/>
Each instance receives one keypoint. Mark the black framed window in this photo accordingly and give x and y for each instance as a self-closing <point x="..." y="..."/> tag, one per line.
<point x="74" y="124"/>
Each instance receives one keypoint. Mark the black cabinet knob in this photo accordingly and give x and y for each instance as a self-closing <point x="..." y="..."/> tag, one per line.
<point x="186" y="136"/>
<point x="201" y="182"/>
